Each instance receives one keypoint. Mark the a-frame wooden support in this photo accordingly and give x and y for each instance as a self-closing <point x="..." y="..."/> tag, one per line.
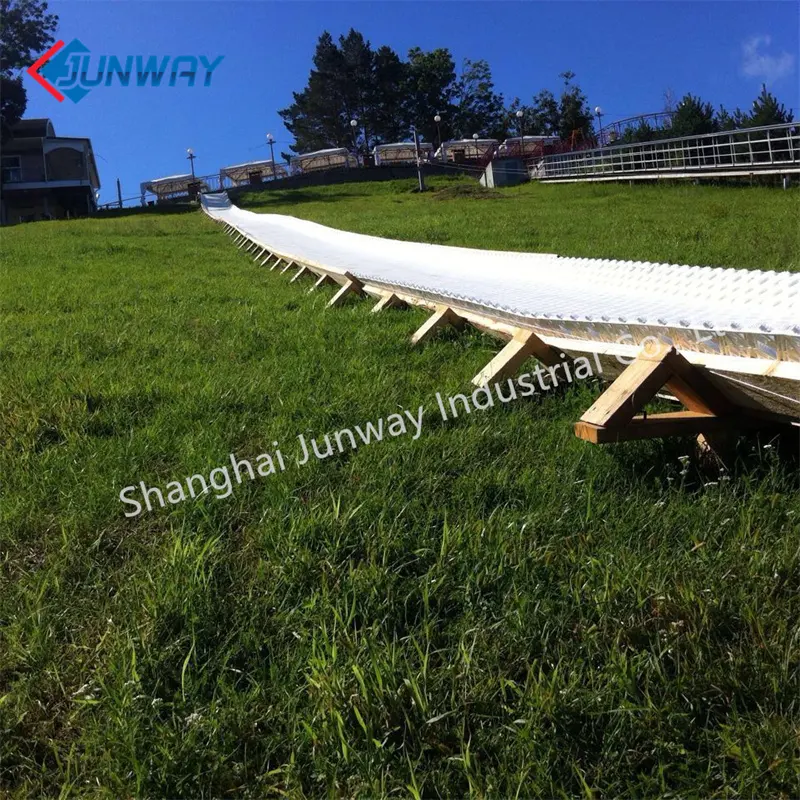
<point x="323" y="280"/>
<point x="711" y="408"/>
<point x="390" y="300"/>
<point x="352" y="285"/>
<point x="524" y="344"/>
<point x="444" y="315"/>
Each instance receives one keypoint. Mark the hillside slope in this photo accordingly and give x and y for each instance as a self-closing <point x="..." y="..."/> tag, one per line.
<point x="492" y="606"/>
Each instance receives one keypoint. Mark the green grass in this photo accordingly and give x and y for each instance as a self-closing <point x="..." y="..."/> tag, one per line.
<point x="496" y="608"/>
<point x="750" y="228"/>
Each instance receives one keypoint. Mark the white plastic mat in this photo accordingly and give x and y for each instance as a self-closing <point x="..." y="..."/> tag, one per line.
<point x="731" y="312"/>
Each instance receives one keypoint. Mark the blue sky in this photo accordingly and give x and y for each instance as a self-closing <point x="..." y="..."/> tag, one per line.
<point x="625" y="55"/>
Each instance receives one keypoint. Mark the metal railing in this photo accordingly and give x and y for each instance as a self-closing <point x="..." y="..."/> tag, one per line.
<point x="770" y="149"/>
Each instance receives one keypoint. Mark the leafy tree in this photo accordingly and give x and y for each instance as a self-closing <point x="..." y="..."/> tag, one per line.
<point x="574" y="114"/>
<point x="13" y="100"/>
<point x="430" y="87"/>
<point x="546" y="115"/>
<point x="478" y="109"/>
<point x="26" y="30"/>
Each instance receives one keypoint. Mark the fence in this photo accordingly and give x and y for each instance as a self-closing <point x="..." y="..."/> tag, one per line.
<point x="773" y="149"/>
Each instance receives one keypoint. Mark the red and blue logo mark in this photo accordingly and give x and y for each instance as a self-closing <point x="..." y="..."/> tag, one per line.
<point x="65" y="70"/>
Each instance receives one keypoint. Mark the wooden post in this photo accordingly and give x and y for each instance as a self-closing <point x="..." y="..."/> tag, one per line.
<point x="323" y="280"/>
<point x="304" y="270"/>
<point x="352" y="286"/>
<point x="444" y="315"/>
<point x="288" y="265"/>
<point x="524" y="344"/>
<point x="390" y="300"/>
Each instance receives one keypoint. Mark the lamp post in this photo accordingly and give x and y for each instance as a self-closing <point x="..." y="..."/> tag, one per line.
<point x="353" y="126"/>
<point x="599" y="112"/>
<point x="271" y="142"/>
<point x="191" y="158"/>
<point x="475" y="139"/>
<point x="438" y="120"/>
<point x="521" y="130"/>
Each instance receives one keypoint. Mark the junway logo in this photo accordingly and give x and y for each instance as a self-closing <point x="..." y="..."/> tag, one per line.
<point x="64" y="70"/>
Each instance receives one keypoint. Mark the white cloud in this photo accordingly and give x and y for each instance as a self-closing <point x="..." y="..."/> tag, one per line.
<point x="758" y="63"/>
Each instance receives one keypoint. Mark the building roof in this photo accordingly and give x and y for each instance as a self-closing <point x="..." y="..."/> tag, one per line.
<point x="329" y="152"/>
<point x="403" y="145"/>
<point x="26" y="128"/>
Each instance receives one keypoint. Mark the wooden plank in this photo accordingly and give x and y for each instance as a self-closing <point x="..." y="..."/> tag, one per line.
<point x="656" y="426"/>
<point x="444" y="315"/>
<point x="524" y="344"/>
<point x="635" y="387"/>
<point x="323" y="280"/>
<point x="352" y="286"/>
<point x="304" y="270"/>
<point x="390" y="300"/>
<point x="695" y="387"/>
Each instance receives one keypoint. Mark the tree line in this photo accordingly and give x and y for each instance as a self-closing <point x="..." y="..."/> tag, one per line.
<point x="388" y="96"/>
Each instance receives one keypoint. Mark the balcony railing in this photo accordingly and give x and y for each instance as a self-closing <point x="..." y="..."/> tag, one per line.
<point x="14" y="175"/>
<point x="774" y="148"/>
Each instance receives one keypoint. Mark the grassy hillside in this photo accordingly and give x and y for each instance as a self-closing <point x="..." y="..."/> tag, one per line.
<point x="750" y="228"/>
<point x="493" y="607"/>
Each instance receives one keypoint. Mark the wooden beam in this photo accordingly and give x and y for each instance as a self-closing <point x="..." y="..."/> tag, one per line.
<point x="444" y="315"/>
<point x="266" y="258"/>
<point x="259" y="253"/>
<point x="352" y="286"/>
<point x="390" y="300"/>
<point x="278" y="260"/>
<point x="636" y="386"/>
<point x="323" y="280"/>
<point x="244" y="241"/>
<point x="524" y="344"/>
<point x="304" y="270"/>
<point x="656" y="426"/>
<point x="287" y="266"/>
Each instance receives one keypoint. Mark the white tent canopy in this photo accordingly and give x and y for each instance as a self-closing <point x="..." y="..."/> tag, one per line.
<point x="171" y="186"/>
<point x="324" y="159"/>
<point x="241" y="173"/>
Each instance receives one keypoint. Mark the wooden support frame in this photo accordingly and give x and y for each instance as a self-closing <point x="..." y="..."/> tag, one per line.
<point x="390" y="300"/>
<point x="711" y="408"/>
<point x="352" y="285"/>
<point x="441" y="317"/>
<point x="523" y="345"/>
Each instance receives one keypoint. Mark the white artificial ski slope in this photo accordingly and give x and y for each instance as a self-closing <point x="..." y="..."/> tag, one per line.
<point x="755" y="312"/>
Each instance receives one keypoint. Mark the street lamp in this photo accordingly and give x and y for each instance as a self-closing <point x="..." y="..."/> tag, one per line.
<point x="475" y="139"/>
<point x="270" y="142"/>
<point x="191" y="158"/>
<point x="599" y="112"/>
<point x="438" y="120"/>
<point x="521" y="129"/>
